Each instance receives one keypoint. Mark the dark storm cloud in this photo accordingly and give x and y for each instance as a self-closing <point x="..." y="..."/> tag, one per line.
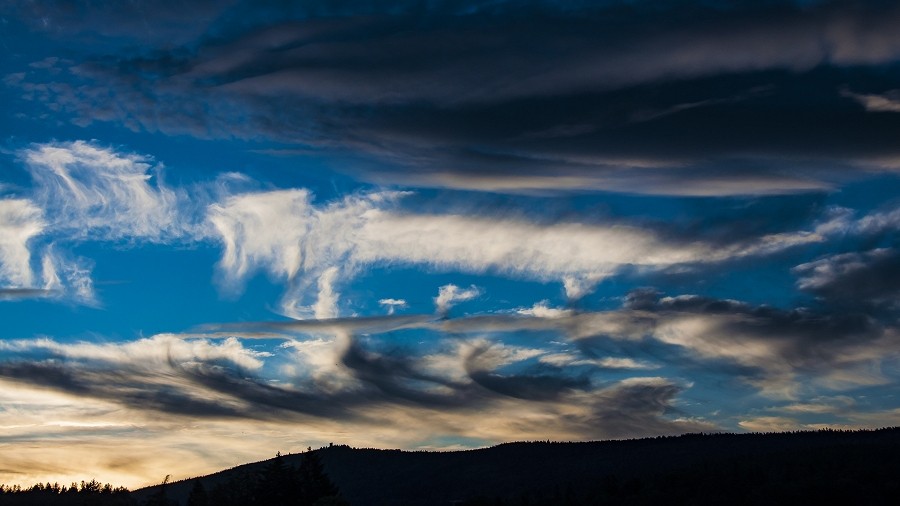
<point x="777" y="349"/>
<point x="124" y="387"/>
<point x="769" y="348"/>
<point x="388" y="381"/>
<point x="762" y="344"/>
<point x="868" y="278"/>
<point x="685" y="98"/>
<point x="636" y="404"/>
<point x="391" y="375"/>
<point x="547" y="384"/>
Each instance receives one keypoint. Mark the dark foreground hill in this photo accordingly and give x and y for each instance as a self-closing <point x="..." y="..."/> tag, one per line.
<point x="830" y="467"/>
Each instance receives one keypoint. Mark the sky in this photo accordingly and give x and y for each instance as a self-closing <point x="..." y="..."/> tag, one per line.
<point x="230" y="228"/>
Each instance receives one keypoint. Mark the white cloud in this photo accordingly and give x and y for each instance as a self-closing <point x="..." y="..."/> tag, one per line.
<point x="570" y="359"/>
<point x="92" y="192"/>
<point x="511" y="246"/>
<point x="888" y="102"/>
<point x="449" y="295"/>
<point x="20" y="221"/>
<point x="67" y="277"/>
<point x="877" y="222"/>
<point x="262" y="230"/>
<point x="82" y="191"/>
<point x="820" y="273"/>
<point x="285" y="235"/>
<point x="155" y="353"/>
<point x="820" y="405"/>
<point x="543" y="310"/>
<point x="772" y="424"/>
<point x="392" y="304"/>
<point x="325" y="306"/>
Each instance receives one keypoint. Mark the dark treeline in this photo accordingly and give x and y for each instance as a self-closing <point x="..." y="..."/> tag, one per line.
<point x="850" y="467"/>
<point x="279" y="484"/>
<point x="84" y="493"/>
<point x="841" y="474"/>
<point x="822" y="467"/>
<point x="276" y="484"/>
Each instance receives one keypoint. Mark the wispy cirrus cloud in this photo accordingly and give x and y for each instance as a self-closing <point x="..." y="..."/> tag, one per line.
<point x="318" y="244"/>
<point x="90" y="191"/>
<point x="85" y="191"/>
<point x="20" y="221"/>
<point x="82" y="191"/>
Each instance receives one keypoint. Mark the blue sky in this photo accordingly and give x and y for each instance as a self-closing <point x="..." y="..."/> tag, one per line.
<point x="232" y="228"/>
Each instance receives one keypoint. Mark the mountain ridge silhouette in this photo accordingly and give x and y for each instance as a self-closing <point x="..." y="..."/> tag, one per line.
<point x="799" y="467"/>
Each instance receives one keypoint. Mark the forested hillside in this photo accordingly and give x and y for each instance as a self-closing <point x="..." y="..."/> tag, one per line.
<point x="858" y="467"/>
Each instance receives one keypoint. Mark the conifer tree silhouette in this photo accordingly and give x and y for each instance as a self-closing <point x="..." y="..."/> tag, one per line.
<point x="198" y="495"/>
<point x="160" y="497"/>
<point x="277" y="484"/>
<point x="314" y="483"/>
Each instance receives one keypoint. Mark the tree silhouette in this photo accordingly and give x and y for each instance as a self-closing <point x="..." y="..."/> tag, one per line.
<point x="239" y="490"/>
<point x="277" y="484"/>
<point x="314" y="483"/>
<point x="198" y="496"/>
<point x="159" y="498"/>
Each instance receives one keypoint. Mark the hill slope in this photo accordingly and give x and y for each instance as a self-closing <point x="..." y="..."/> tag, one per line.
<point x="796" y="468"/>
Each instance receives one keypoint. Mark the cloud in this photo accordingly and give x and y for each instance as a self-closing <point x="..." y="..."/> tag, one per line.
<point x="878" y="223"/>
<point x="778" y="350"/>
<point x="326" y="305"/>
<point x="889" y="102"/>
<point x="568" y="375"/>
<point x="91" y="192"/>
<point x="533" y="99"/>
<point x="854" y="279"/>
<point x="222" y="380"/>
<point x="779" y="353"/>
<point x="543" y="310"/>
<point x="393" y="304"/>
<point x="23" y="293"/>
<point x="772" y="424"/>
<point x="449" y="295"/>
<point x="250" y="244"/>
<point x="68" y="277"/>
<point x="366" y="230"/>
<point x="82" y="191"/>
<point x="820" y="405"/>
<point x="570" y="359"/>
<point x="20" y="221"/>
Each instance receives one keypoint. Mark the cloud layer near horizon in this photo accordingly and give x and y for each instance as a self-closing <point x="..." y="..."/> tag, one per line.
<point x="564" y="376"/>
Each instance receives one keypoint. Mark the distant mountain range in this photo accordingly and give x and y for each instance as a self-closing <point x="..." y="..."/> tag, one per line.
<point x="836" y="467"/>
